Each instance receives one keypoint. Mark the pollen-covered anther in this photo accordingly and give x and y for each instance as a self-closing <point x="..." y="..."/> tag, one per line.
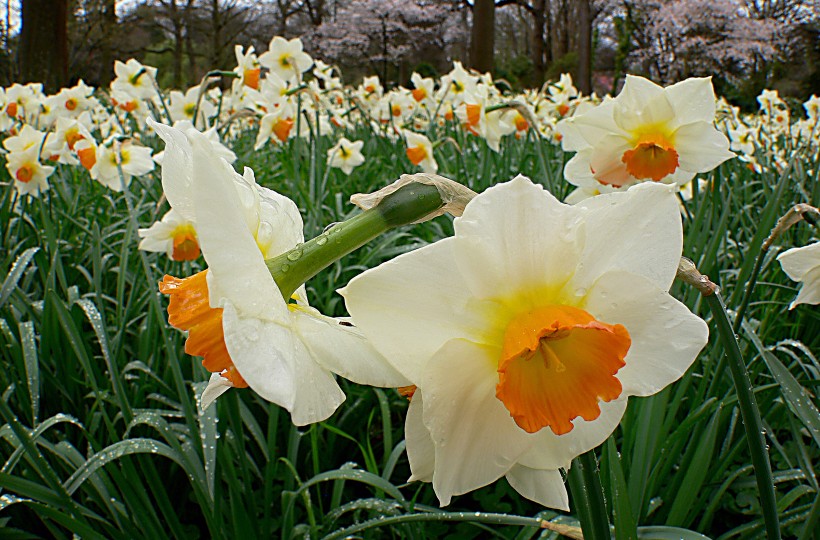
<point x="557" y="363"/>
<point x="652" y="157"/>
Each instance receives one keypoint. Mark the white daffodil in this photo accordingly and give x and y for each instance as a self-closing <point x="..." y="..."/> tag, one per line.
<point x="346" y="155"/>
<point x="803" y="265"/>
<point x="526" y="332"/>
<point x="420" y="151"/>
<point x="173" y="235"/>
<point x="286" y="58"/>
<point x="134" y="160"/>
<point x="30" y="176"/>
<point x="234" y="312"/>
<point x="646" y="133"/>
<point x="134" y="79"/>
<point x="183" y="106"/>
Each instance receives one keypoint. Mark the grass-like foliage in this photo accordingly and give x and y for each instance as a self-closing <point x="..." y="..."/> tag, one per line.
<point x="102" y="436"/>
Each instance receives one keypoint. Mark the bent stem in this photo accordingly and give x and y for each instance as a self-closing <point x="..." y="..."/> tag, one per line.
<point x="406" y="205"/>
<point x="588" y="496"/>
<point x="755" y="433"/>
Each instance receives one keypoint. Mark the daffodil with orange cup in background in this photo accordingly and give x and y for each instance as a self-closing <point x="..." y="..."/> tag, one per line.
<point x="646" y="133"/>
<point x="235" y="313"/>
<point x="526" y="332"/>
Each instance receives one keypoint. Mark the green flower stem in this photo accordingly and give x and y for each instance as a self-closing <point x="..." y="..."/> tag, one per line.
<point x="751" y="416"/>
<point x="406" y="205"/>
<point x="588" y="497"/>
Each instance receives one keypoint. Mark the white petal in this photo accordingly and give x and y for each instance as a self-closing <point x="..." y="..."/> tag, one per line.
<point x="410" y="306"/>
<point x="701" y="147"/>
<point x="421" y="452"/>
<point x="176" y="169"/>
<point x="476" y="439"/>
<point x="666" y="336"/>
<point x="544" y="486"/>
<point x="587" y="129"/>
<point x="553" y="451"/>
<point x="276" y="366"/>
<point x="516" y="237"/>
<point x="693" y="100"/>
<point x="217" y="385"/>
<point x="236" y="266"/>
<point x="344" y="350"/>
<point x="639" y="231"/>
<point x="797" y="262"/>
<point x="810" y="291"/>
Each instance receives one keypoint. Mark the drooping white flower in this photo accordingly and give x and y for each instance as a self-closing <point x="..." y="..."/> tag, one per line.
<point x="234" y="312"/>
<point x="526" y="332"/>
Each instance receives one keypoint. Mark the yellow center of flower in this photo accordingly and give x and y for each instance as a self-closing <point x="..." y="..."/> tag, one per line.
<point x="416" y="154"/>
<point x="189" y="309"/>
<point x="25" y="173"/>
<point x="284" y="61"/>
<point x="186" y="246"/>
<point x="188" y="110"/>
<point x="652" y="157"/>
<point x="557" y="362"/>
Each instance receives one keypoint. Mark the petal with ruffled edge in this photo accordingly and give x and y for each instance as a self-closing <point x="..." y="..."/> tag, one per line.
<point x="277" y="366"/>
<point x="344" y="350"/>
<point x="412" y="305"/>
<point x="516" y="239"/>
<point x="666" y="336"/>
<point x="639" y="231"/>
<point x="544" y="486"/>
<point x="236" y="267"/>
<point x="421" y="451"/>
<point x="701" y="147"/>
<point x="476" y="440"/>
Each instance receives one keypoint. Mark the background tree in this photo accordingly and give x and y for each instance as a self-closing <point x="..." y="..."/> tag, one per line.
<point x="44" y="43"/>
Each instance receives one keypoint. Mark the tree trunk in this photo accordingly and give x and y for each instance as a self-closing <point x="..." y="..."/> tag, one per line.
<point x="44" y="43"/>
<point x="482" y="40"/>
<point x="538" y="43"/>
<point x="108" y="21"/>
<point x="584" y="47"/>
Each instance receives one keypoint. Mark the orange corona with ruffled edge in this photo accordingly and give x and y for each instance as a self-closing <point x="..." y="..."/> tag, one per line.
<point x="189" y="309"/>
<point x="652" y="157"/>
<point x="251" y="78"/>
<point x="557" y="362"/>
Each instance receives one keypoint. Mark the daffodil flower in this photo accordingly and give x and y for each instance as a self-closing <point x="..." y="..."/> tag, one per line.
<point x="172" y="235"/>
<point x="234" y="312"/>
<point x="346" y="155"/>
<point x="646" y="133"/>
<point x="525" y="333"/>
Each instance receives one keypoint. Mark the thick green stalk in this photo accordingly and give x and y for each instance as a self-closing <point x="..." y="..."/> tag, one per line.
<point x="406" y="205"/>
<point x="755" y="434"/>
<point x="588" y="496"/>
